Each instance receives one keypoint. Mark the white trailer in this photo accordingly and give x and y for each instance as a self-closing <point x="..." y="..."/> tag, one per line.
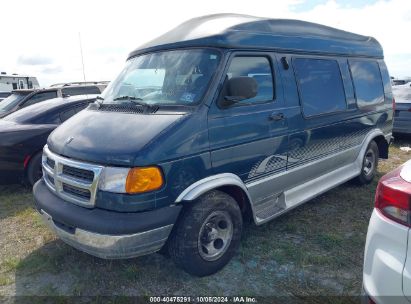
<point x="15" y="82"/>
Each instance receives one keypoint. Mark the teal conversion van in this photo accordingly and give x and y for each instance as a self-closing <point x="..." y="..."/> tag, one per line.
<point x="225" y="117"/>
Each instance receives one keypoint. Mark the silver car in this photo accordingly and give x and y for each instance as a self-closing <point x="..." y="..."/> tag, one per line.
<point x="402" y="118"/>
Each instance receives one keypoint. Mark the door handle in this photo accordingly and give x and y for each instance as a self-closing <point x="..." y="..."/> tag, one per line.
<point x="276" y="116"/>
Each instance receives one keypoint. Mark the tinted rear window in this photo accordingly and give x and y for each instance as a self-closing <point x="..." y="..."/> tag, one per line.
<point x="320" y="86"/>
<point x="367" y="81"/>
<point x="41" y="96"/>
<point x="80" y="90"/>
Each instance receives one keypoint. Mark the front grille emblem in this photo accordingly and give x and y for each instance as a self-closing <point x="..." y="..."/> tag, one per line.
<point x="69" y="140"/>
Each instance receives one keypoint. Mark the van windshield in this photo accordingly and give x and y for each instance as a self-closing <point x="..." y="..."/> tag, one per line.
<point x="179" y="77"/>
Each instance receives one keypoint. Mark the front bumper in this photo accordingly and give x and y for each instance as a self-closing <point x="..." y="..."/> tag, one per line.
<point x="103" y="233"/>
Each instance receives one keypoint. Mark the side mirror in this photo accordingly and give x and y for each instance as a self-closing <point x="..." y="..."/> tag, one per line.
<point x="238" y="89"/>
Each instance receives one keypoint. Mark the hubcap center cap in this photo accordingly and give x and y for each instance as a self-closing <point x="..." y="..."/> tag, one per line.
<point x="215" y="235"/>
<point x="212" y="235"/>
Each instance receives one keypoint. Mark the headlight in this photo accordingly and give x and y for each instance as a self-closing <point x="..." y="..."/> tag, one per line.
<point x="114" y="179"/>
<point x="132" y="181"/>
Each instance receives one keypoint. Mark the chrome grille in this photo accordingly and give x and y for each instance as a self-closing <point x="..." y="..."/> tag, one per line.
<point x="73" y="181"/>
<point x="76" y="191"/>
<point x="79" y="173"/>
<point x="50" y="163"/>
<point x="50" y="179"/>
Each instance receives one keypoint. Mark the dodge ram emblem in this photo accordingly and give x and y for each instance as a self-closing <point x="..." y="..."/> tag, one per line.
<point x="69" y="140"/>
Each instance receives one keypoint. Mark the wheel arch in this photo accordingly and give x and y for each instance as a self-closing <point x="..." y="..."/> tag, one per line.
<point x="374" y="135"/>
<point x="31" y="158"/>
<point x="382" y="146"/>
<point x="29" y="162"/>
<point x="228" y="183"/>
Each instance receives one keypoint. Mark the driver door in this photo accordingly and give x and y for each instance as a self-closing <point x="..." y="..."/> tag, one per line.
<point x="249" y="138"/>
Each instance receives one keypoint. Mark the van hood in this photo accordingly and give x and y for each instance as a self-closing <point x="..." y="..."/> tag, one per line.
<point x="109" y="138"/>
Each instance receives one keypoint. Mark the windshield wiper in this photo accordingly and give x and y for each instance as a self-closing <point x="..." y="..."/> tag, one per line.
<point x="136" y="101"/>
<point x="125" y="97"/>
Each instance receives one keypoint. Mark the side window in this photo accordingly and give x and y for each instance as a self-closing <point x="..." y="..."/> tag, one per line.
<point x="80" y="90"/>
<point x="258" y="68"/>
<point x="367" y="81"/>
<point x="14" y="86"/>
<point x="320" y="86"/>
<point x="40" y="97"/>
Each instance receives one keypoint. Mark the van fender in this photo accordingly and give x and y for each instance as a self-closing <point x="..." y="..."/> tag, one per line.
<point x="368" y="138"/>
<point x="209" y="183"/>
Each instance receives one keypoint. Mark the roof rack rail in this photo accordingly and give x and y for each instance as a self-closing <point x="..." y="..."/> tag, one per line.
<point x="79" y="83"/>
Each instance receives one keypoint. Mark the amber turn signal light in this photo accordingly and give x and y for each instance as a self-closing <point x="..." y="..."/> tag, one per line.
<point x="145" y="179"/>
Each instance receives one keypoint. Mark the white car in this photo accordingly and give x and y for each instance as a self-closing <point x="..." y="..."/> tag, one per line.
<point x="387" y="270"/>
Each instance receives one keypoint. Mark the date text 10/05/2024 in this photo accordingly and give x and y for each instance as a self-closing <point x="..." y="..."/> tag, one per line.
<point x="174" y="299"/>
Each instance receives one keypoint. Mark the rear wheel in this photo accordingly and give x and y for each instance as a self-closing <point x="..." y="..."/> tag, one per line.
<point x="207" y="235"/>
<point x="34" y="170"/>
<point x="369" y="164"/>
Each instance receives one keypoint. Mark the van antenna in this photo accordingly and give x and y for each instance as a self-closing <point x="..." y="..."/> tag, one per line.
<point x="82" y="59"/>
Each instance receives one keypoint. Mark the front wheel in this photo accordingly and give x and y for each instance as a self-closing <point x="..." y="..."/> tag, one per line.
<point x="207" y="235"/>
<point x="369" y="164"/>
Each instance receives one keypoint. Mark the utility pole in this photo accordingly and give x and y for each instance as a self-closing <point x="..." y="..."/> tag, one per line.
<point x="82" y="59"/>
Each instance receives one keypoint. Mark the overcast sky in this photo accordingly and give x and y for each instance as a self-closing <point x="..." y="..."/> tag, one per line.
<point x="41" y="37"/>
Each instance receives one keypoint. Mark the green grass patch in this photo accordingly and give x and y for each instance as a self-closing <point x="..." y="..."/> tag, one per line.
<point x="47" y="259"/>
<point x="37" y="263"/>
<point x="329" y="240"/>
<point x="9" y="264"/>
<point x="6" y="279"/>
<point x="48" y="290"/>
<point x="14" y="199"/>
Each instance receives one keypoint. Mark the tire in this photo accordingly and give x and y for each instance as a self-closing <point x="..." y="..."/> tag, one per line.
<point x="369" y="164"/>
<point x="34" y="171"/>
<point x="213" y="221"/>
